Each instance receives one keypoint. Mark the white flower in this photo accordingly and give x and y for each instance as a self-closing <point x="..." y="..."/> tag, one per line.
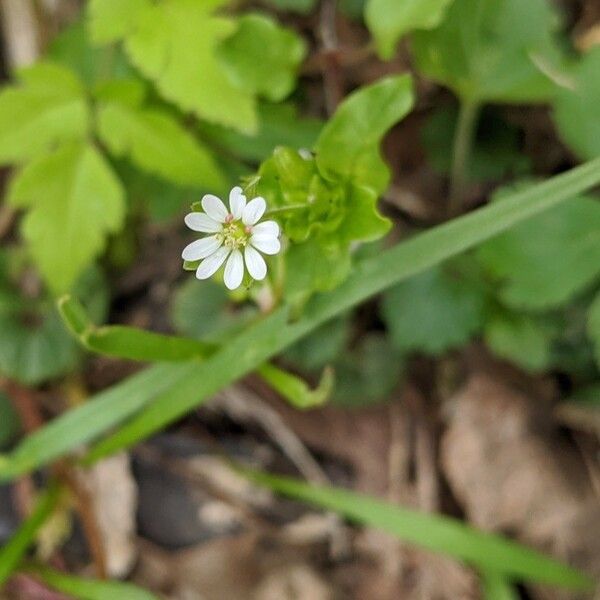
<point x="237" y="237"/>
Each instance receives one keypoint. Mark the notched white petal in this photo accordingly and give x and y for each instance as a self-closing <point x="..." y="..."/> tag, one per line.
<point x="270" y="228"/>
<point x="214" y="208"/>
<point x="266" y="244"/>
<point x="237" y="202"/>
<point x="201" y="248"/>
<point x="255" y="263"/>
<point x="254" y="210"/>
<point x="209" y="266"/>
<point x="234" y="270"/>
<point x="202" y="222"/>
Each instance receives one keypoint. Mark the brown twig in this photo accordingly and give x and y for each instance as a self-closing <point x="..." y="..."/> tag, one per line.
<point x="332" y="75"/>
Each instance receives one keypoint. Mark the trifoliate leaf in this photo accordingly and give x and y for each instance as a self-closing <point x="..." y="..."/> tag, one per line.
<point x="369" y="373"/>
<point x="174" y="43"/>
<point x="496" y="150"/>
<point x="156" y="142"/>
<point x="577" y="112"/>
<point x="482" y="48"/>
<point x="46" y="107"/>
<point x="73" y="49"/>
<point x="545" y="261"/>
<point x="433" y="312"/>
<point x="262" y="58"/>
<point x="74" y="201"/>
<point x="593" y="326"/>
<point x="389" y="20"/>
<point x="35" y="346"/>
<point x="521" y="339"/>
<point x="110" y="20"/>
<point x="348" y="146"/>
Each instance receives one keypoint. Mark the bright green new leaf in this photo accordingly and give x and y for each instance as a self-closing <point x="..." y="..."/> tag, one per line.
<point x="545" y="262"/>
<point x="89" y="589"/>
<point x="46" y="107"/>
<point x="295" y="389"/>
<point x="522" y="339"/>
<point x="481" y="50"/>
<point x="111" y="20"/>
<point x="262" y="57"/>
<point x="164" y="393"/>
<point x="156" y="142"/>
<point x="577" y="112"/>
<point x="434" y="532"/>
<point x="433" y="312"/>
<point x="73" y="201"/>
<point x="14" y="551"/>
<point x="174" y="43"/>
<point x="348" y="146"/>
<point x="593" y="326"/>
<point x="389" y="20"/>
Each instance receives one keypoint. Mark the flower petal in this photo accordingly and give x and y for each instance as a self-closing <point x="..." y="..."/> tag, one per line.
<point x="201" y="248"/>
<point x="209" y="266"/>
<point x="254" y="210"/>
<point x="257" y="267"/>
<point x="214" y="208"/>
<point x="266" y="244"/>
<point x="201" y="222"/>
<point x="237" y="202"/>
<point x="234" y="270"/>
<point x="266" y="228"/>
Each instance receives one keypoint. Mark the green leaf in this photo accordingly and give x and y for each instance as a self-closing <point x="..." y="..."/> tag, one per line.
<point x="74" y="201"/>
<point x="156" y="142"/>
<point x="545" y="262"/>
<point x="278" y="125"/>
<point x="170" y="391"/>
<point x="10" y="425"/>
<point x="89" y="589"/>
<point x="45" y="108"/>
<point x="128" y="342"/>
<point x="497" y="587"/>
<point x="369" y="373"/>
<point x="389" y="20"/>
<point x="593" y="326"/>
<point x="433" y="312"/>
<point x="12" y="553"/>
<point x="348" y="146"/>
<point x="204" y="310"/>
<point x="437" y="533"/>
<point x="261" y="57"/>
<point x="520" y="338"/>
<point x="35" y="345"/>
<point x="577" y="112"/>
<point x="111" y="20"/>
<point x="496" y="150"/>
<point x="320" y="347"/>
<point x="174" y="44"/>
<point x="295" y="390"/>
<point x="482" y="49"/>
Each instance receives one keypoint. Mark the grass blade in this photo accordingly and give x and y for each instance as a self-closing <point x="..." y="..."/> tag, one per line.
<point x="488" y="552"/>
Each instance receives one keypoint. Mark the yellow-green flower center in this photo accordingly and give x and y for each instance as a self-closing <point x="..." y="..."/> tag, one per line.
<point x="234" y="235"/>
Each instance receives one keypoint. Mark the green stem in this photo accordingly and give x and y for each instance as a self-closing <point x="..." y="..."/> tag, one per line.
<point x="272" y="211"/>
<point x="461" y="152"/>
